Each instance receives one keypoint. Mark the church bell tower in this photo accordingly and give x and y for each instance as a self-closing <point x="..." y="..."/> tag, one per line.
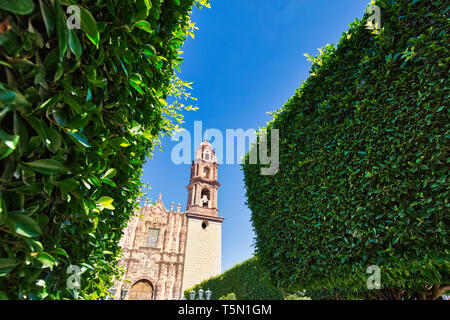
<point x="203" y="185"/>
<point x="204" y="226"/>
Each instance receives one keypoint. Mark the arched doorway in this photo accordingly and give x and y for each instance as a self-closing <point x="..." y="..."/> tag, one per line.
<point x="141" y="290"/>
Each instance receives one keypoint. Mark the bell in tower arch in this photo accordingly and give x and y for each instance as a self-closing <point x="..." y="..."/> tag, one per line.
<point x="205" y="197"/>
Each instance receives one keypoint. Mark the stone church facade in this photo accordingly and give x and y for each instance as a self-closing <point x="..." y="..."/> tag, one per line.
<point x="166" y="251"/>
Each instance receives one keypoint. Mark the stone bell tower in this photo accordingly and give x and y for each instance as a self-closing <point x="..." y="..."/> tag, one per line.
<point x="203" y="185"/>
<point x="204" y="226"/>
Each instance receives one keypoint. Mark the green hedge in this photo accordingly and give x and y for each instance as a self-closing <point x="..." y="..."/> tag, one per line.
<point x="80" y="111"/>
<point x="245" y="280"/>
<point x="364" y="161"/>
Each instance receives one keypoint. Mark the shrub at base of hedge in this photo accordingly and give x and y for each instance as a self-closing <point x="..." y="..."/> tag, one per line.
<point x="230" y="296"/>
<point x="246" y="281"/>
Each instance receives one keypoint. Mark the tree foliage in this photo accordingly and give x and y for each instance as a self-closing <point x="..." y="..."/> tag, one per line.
<point x="245" y="281"/>
<point x="80" y="111"/>
<point x="230" y="296"/>
<point x="364" y="162"/>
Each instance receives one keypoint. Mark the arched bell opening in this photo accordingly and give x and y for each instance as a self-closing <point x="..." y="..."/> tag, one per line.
<point x="206" y="172"/>
<point x="205" y="196"/>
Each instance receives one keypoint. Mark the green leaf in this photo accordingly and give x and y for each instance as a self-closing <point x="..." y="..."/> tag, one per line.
<point x="60" y="116"/>
<point x="48" y="17"/>
<point x="3" y="214"/>
<point x="25" y="225"/>
<point x="147" y="134"/>
<point x="144" y="25"/>
<point x="73" y="103"/>
<point x="61" y="29"/>
<point x="149" y="50"/>
<point x="163" y="102"/>
<point x="79" y="137"/>
<point x="10" y="140"/>
<point x="79" y="121"/>
<point x="46" y="166"/>
<point x="8" y="144"/>
<point x="87" y="266"/>
<point x="46" y="259"/>
<point x="35" y="245"/>
<point x="94" y="180"/>
<point x="39" y="127"/>
<point x="89" y="26"/>
<point x="9" y="96"/>
<point x="136" y="86"/>
<point x="105" y="202"/>
<point x="21" y="130"/>
<point x="68" y="184"/>
<point x="110" y="173"/>
<point x="99" y="83"/>
<point x="17" y="6"/>
<point x="33" y="144"/>
<point x="61" y="252"/>
<point x="119" y="142"/>
<point x="8" y="263"/>
<point x="74" y="44"/>
<point x="50" y="102"/>
<point x="109" y="182"/>
<point x="6" y="266"/>
<point x="54" y="139"/>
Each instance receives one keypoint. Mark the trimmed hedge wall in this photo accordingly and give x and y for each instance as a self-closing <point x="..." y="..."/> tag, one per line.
<point x="81" y="109"/>
<point x="364" y="159"/>
<point x="246" y="280"/>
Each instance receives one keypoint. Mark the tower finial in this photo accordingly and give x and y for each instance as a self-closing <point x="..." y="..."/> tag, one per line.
<point x="160" y="197"/>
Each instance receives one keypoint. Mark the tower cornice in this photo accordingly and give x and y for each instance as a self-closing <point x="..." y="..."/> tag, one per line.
<point x="205" y="181"/>
<point x="200" y="216"/>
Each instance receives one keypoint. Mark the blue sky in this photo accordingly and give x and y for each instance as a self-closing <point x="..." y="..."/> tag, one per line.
<point x="246" y="60"/>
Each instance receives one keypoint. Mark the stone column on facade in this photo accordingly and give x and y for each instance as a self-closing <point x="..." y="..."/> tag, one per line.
<point x="168" y="291"/>
<point x="169" y="231"/>
<point x="179" y="280"/>
<point x="162" y="280"/>
<point x="177" y="233"/>
<point x="199" y="195"/>
<point x="176" y="290"/>
<point x="182" y="239"/>
<point x="212" y="197"/>
<point x="172" y="278"/>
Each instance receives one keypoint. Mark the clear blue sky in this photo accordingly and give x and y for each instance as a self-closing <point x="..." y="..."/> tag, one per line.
<point x="246" y="60"/>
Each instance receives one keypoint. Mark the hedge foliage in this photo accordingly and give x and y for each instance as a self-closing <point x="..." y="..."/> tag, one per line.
<point x="246" y="280"/>
<point x="80" y="111"/>
<point x="364" y="159"/>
